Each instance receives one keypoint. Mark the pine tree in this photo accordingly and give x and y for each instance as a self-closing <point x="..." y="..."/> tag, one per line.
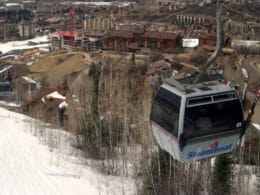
<point x="222" y="175"/>
<point x="133" y="58"/>
<point x="95" y="73"/>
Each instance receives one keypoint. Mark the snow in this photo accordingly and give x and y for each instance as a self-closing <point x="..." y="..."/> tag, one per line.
<point x="29" y="63"/>
<point x="29" y="167"/>
<point x="12" y="4"/>
<point x="6" y="68"/>
<point x="245" y="178"/>
<point x="22" y="45"/>
<point x="244" y="73"/>
<point x="43" y="100"/>
<point x="190" y="42"/>
<point x="44" y="49"/>
<point x="257" y="126"/>
<point x="30" y="80"/>
<point x="63" y="105"/>
<point x="56" y="95"/>
<point x="9" y="104"/>
<point x="92" y="39"/>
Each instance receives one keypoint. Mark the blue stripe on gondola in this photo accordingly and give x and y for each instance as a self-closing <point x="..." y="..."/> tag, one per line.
<point x="165" y="132"/>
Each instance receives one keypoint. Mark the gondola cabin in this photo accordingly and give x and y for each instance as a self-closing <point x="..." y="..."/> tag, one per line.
<point x="197" y="121"/>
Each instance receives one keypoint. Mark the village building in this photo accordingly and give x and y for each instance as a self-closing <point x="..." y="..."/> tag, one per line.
<point x="48" y="104"/>
<point x="135" y="40"/>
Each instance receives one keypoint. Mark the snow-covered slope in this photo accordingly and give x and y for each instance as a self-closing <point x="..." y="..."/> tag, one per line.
<point x="21" y="45"/>
<point x="29" y="167"/>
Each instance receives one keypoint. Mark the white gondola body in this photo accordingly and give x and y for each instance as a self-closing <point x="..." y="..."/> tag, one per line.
<point x="207" y="144"/>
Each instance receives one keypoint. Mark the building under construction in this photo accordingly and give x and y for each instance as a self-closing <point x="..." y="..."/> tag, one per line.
<point x="62" y="39"/>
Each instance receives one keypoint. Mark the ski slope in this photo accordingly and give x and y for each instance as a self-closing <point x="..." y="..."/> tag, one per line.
<point x="29" y="167"/>
<point x="22" y="45"/>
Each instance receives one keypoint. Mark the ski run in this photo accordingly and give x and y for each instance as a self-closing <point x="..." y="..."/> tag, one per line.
<point x="28" y="166"/>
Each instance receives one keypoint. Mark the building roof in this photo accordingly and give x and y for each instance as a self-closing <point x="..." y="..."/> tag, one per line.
<point x="203" y="36"/>
<point x="157" y="66"/>
<point x="56" y="95"/>
<point x="134" y="46"/>
<point x="122" y="34"/>
<point x="66" y="33"/>
<point x="50" y="97"/>
<point x="139" y="31"/>
<point x="159" y="35"/>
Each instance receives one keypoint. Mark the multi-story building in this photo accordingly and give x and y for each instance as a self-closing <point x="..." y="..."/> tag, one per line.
<point x="244" y="1"/>
<point x="26" y="29"/>
<point x="243" y="30"/>
<point x="8" y="31"/>
<point x="136" y="40"/>
<point x="98" y="23"/>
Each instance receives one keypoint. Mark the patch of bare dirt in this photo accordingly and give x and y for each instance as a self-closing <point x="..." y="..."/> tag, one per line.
<point x="54" y="68"/>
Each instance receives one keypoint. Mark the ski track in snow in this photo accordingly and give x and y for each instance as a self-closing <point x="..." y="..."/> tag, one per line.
<point x="28" y="167"/>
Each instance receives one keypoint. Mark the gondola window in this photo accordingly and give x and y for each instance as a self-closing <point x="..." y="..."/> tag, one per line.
<point x="223" y="115"/>
<point x="165" y="111"/>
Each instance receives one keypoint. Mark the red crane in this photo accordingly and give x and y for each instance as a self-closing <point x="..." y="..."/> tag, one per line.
<point x="72" y="14"/>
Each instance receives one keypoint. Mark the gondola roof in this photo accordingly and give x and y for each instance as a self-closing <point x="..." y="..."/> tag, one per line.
<point x="199" y="89"/>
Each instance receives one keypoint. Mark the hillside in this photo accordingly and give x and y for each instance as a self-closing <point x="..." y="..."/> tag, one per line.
<point x="45" y="163"/>
<point x="54" y="68"/>
<point x="110" y="117"/>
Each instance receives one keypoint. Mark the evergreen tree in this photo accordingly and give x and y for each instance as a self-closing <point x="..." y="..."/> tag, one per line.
<point x="133" y="58"/>
<point x="95" y="73"/>
<point x="222" y="176"/>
